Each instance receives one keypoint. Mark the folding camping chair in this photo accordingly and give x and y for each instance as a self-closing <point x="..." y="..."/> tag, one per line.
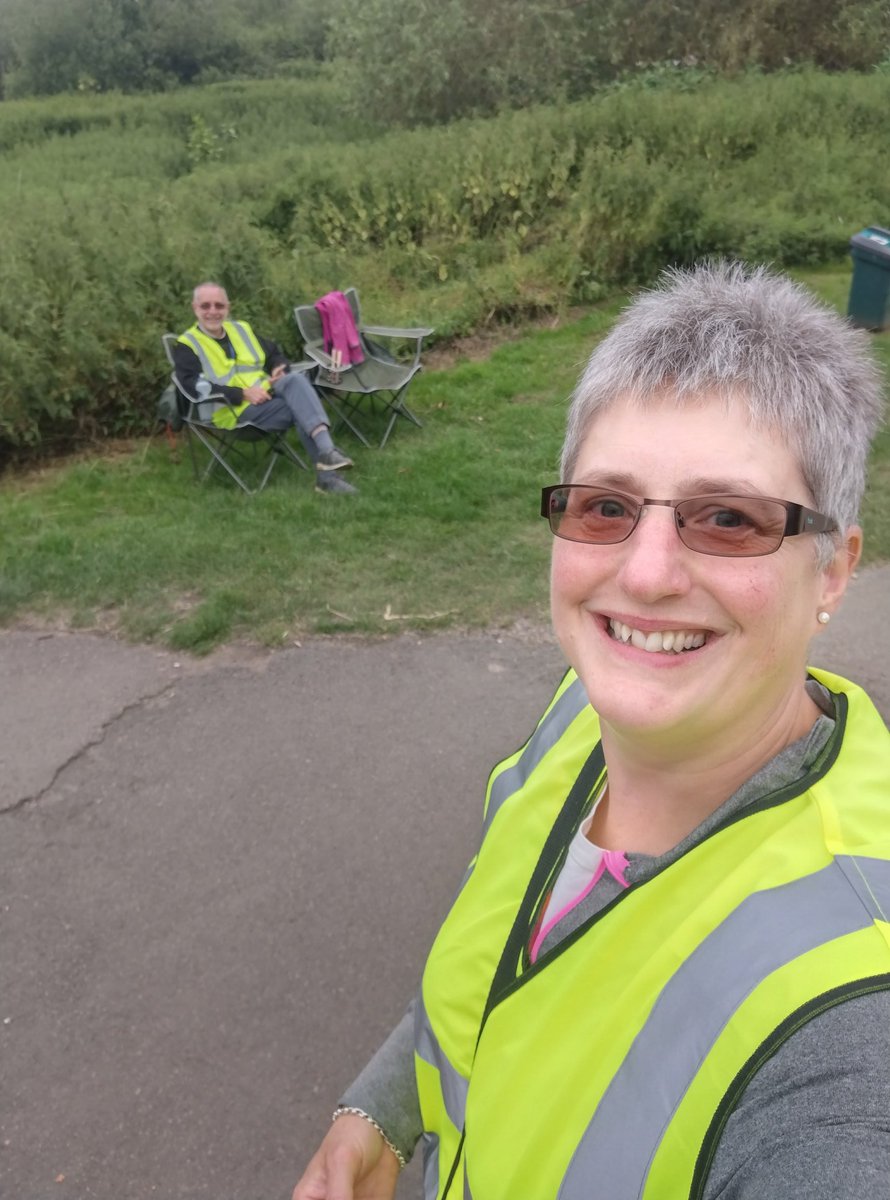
<point x="232" y="449"/>
<point x="354" y="390"/>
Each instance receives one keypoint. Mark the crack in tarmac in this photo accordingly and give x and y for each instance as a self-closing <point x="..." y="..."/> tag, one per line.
<point x="36" y="797"/>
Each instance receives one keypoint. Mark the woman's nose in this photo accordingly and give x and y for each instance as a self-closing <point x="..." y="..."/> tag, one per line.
<point x="654" y="561"/>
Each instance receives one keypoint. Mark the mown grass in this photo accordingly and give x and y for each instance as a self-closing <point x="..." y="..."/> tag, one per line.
<point x="444" y="532"/>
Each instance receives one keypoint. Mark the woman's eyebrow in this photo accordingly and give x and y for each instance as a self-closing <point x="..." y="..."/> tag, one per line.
<point x="706" y="485"/>
<point x="611" y="479"/>
<point x="696" y="485"/>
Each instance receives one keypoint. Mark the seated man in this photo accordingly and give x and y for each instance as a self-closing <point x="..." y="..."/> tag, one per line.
<point x="251" y="372"/>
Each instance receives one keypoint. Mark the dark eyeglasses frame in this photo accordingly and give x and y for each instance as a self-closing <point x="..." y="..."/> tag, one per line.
<point x="798" y="518"/>
<point x="213" y="304"/>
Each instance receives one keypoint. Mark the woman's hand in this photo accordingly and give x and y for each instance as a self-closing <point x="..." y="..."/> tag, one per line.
<point x="352" y="1163"/>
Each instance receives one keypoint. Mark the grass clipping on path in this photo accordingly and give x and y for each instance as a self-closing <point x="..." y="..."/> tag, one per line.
<point x="444" y="533"/>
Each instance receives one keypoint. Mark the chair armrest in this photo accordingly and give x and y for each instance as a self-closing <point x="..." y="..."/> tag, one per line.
<point x="415" y="335"/>
<point x="196" y="401"/>
<point x="391" y="331"/>
<point x="326" y="364"/>
<point x="319" y="358"/>
<point x="305" y="364"/>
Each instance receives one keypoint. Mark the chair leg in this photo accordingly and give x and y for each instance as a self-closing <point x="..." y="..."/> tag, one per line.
<point x="214" y="458"/>
<point x="230" y="470"/>
<point x="335" y="404"/>
<point x="282" y="446"/>
<point x="273" y="459"/>
<point x="218" y="459"/>
<point x="399" y="409"/>
<point x="188" y="437"/>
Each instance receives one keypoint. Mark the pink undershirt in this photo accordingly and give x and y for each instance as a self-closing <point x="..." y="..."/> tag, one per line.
<point x="582" y="870"/>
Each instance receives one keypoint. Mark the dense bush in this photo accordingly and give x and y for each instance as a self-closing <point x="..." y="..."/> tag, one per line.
<point x="114" y="207"/>
<point x="51" y="46"/>
<point x="426" y="61"/>
<point x="423" y="61"/>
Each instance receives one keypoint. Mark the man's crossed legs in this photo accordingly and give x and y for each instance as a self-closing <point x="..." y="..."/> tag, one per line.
<point x="294" y="401"/>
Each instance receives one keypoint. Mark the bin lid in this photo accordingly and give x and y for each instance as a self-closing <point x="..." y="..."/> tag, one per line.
<point x="875" y="241"/>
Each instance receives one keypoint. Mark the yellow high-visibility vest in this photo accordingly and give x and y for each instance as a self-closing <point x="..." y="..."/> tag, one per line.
<point x="242" y="371"/>
<point x="619" y="1055"/>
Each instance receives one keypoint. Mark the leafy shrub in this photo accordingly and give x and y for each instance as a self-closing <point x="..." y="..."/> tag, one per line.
<point x="111" y="218"/>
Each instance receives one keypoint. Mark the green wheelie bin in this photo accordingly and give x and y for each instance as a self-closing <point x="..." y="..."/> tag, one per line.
<point x="870" y="287"/>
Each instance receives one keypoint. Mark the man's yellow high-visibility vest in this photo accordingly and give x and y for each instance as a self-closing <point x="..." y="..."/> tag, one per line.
<point x="610" y="1065"/>
<point x="243" y="370"/>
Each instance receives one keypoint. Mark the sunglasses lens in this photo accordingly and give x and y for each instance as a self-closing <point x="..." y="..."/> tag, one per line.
<point x="731" y="526"/>
<point x="723" y="525"/>
<point x="584" y="514"/>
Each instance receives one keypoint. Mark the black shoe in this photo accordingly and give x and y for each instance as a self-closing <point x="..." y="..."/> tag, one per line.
<point x="332" y="461"/>
<point x="327" y="482"/>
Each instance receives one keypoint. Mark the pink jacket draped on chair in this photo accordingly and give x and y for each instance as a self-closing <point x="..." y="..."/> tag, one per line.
<point x="338" y="327"/>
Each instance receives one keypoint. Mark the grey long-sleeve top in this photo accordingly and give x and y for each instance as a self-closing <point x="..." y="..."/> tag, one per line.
<point x="813" y="1123"/>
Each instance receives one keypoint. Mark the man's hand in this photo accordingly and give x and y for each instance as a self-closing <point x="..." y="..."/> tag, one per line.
<point x="278" y="371"/>
<point x="255" y="394"/>
<point x="352" y="1163"/>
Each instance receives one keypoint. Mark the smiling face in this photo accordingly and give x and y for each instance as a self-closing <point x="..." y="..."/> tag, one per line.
<point x="622" y="612"/>
<point x="210" y="305"/>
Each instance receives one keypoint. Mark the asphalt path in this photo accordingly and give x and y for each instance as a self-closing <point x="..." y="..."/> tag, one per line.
<point x="218" y="880"/>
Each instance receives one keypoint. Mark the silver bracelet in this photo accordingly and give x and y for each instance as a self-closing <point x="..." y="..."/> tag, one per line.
<point x="346" y="1110"/>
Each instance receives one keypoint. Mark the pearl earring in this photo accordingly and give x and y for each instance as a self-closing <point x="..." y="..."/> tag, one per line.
<point x="823" y="617"/>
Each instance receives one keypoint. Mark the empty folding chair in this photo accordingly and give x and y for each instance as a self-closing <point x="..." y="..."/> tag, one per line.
<point x="375" y="383"/>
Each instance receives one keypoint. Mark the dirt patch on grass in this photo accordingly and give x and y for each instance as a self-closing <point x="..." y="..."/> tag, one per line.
<point x="106" y="621"/>
<point x="478" y="346"/>
<point x="29" y="474"/>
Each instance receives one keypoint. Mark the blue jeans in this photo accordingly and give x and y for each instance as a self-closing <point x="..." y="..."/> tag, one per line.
<point x="293" y="401"/>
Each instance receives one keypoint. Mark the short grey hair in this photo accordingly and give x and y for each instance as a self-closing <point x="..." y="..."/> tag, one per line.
<point x="208" y="283"/>
<point x="750" y="334"/>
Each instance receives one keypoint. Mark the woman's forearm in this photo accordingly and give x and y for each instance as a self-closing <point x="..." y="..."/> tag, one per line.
<point x="386" y="1088"/>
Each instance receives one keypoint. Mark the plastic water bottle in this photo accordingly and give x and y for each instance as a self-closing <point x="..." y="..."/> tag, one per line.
<point x="204" y="388"/>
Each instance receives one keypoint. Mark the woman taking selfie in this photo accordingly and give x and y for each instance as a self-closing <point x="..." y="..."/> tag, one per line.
<point x="667" y="972"/>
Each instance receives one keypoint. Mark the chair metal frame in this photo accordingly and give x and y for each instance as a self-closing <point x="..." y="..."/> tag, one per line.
<point x="224" y="445"/>
<point x="380" y="381"/>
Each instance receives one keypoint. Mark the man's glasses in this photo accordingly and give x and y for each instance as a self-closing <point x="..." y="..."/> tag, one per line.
<point x="727" y="526"/>
<point x="205" y="304"/>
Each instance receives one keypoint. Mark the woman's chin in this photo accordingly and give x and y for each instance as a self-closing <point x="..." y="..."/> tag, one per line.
<point x="655" y="708"/>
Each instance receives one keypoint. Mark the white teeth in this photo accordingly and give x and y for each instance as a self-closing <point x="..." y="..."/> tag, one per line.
<point x="671" y="641"/>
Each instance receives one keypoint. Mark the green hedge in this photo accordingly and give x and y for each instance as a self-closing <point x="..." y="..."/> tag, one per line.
<point x="114" y="207"/>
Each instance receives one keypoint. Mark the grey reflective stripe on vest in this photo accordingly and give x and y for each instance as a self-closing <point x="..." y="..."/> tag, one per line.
<point x="252" y="344"/>
<point x="454" y="1085"/>
<point x="768" y="930"/>
<point x="553" y="725"/>
<point x="190" y="340"/>
<point x="868" y="878"/>
<point x="206" y="368"/>
<point x="430" y="1166"/>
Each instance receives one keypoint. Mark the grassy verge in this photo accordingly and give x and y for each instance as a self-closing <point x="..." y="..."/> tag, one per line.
<point x="444" y="533"/>
<point x="444" y="530"/>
